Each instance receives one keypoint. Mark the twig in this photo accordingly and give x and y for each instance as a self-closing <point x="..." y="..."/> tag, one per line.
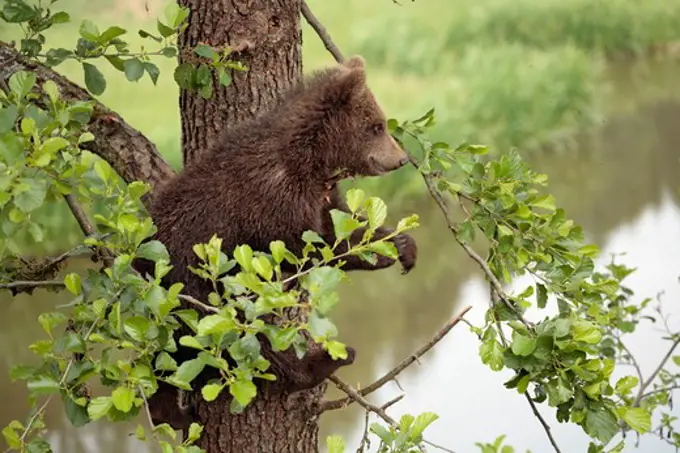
<point x="497" y="286"/>
<point x="21" y="284"/>
<point x="546" y="426"/>
<point x="390" y="375"/>
<point x="321" y="31"/>
<point x="661" y="390"/>
<point x="198" y="303"/>
<point x="392" y="402"/>
<point x="365" y="439"/>
<point x="79" y="214"/>
<point x="633" y="360"/>
<point x="656" y="372"/>
<point x="354" y="394"/>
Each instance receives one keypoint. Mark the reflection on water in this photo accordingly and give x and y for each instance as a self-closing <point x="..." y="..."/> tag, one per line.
<point x="622" y="187"/>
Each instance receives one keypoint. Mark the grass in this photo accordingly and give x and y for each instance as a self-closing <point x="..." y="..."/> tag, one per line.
<point x="508" y="73"/>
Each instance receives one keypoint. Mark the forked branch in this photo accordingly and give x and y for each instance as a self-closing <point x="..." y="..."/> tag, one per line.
<point x="390" y="375"/>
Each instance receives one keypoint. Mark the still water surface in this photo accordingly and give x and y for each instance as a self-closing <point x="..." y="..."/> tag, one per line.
<point x="622" y="185"/>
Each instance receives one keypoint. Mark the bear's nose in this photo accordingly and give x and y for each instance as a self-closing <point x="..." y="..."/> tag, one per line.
<point x="403" y="162"/>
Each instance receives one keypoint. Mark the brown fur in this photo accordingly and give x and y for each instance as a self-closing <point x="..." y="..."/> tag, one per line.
<point x="273" y="178"/>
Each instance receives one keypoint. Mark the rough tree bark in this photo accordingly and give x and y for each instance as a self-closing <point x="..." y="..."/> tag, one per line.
<point x="274" y="422"/>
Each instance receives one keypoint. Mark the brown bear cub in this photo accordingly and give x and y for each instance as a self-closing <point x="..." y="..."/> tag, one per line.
<point x="273" y="178"/>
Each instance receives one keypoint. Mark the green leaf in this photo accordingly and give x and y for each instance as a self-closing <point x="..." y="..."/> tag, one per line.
<point x="94" y="79"/>
<point x="43" y="385"/>
<point x="523" y="346"/>
<point x="164" y="30"/>
<point x="60" y="18"/>
<point x="215" y="324"/>
<point x="586" y="332"/>
<point x="311" y="237"/>
<point x="99" y="407"/>
<point x="384" y="248"/>
<point x="263" y="267"/>
<point x="8" y="117"/>
<point x="491" y="353"/>
<point x="545" y="202"/>
<point x="33" y="196"/>
<point x="11" y="148"/>
<point x="153" y="251"/>
<point x="152" y="70"/>
<point x="244" y="257"/>
<point x="626" y="384"/>
<point x="134" y="69"/>
<point x="278" y="249"/>
<point x="73" y="283"/>
<point x="210" y="392"/>
<point x="122" y="398"/>
<point x="75" y="413"/>
<point x="541" y="295"/>
<point x="243" y="391"/>
<point x="421" y="422"/>
<point x="336" y="350"/>
<point x="335" y="444"/>
<point x="206" y="51"/>
<point x="637" y="418"/>
<point x="110" y="34"/>
<point x="354" y="199"/>
<point x="136" y="327"/>
<point x="21" y="83"/>
<point x="188" y="370"/>
<point x="343" y="224"/>
<point x="601" y="424"/>
<point x="321" y="327"/>
<point x="377" y="212"/>
<point x="88" y="30"/>
<point x="53" y="144"/>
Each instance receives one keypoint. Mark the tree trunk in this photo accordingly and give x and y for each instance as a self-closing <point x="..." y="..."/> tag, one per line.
<point x="276" y="422"/>
<point x="272" y="28"/>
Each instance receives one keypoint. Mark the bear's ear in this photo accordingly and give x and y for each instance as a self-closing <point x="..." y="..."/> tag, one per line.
<point x="349" y="83"/>
<point x="354" y="62"/>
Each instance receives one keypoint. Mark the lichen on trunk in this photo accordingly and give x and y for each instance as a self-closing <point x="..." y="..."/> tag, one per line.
<point x="275" y="421"/>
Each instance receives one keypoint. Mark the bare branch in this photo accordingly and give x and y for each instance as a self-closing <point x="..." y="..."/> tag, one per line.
<point x="390" y="375"/>
<point x="545" y="424"/>
<point x="79" y="214"/>
<point x="656" y="372"/>
<point x="670" y="388"/>
<point x="321" y="31"/>
<point x="354" y="395"/>
<point x="27" y="284"/>
<point x="130" y="154"/>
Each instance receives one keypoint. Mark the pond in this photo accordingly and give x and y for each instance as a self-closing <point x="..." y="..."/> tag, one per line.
<point x="622" y="184"/>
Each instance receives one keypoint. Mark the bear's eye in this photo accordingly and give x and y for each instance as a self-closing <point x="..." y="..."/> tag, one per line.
<point x="378" y="128"/>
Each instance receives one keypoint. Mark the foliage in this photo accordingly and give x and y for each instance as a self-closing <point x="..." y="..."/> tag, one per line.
<point x="119" y="327"/>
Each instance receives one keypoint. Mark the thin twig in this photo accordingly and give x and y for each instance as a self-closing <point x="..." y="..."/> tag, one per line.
<point x="21" y="284"/>
<point x="656" y="372"/>
<point x="546" y="426"/>
<point x="633" y="360"/>
<point x="354" y="394"/>
<point x="390" y="375"/>
<point x="79" y="214"/>
<point x="661" y="390"/>
<point x="321" y="31"/>
<point x="198" y="303"/>
<point x="392" y="402"/>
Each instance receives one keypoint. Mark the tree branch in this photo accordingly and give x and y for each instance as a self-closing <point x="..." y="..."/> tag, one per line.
<point x="27" y="284"/>
<point x="321" y="31"/>
<point x="546" y="426"/>
<point x="130" y="154"/>
<point x="656" y="372"/>
<point x="354" y="395"/>
<point x="390" y="375"/>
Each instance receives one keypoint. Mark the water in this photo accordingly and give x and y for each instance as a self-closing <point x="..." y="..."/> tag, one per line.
<point x="622" y="185"/>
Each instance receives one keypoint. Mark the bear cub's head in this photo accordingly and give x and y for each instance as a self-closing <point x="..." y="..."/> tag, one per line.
<point x="354" y="127"/>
